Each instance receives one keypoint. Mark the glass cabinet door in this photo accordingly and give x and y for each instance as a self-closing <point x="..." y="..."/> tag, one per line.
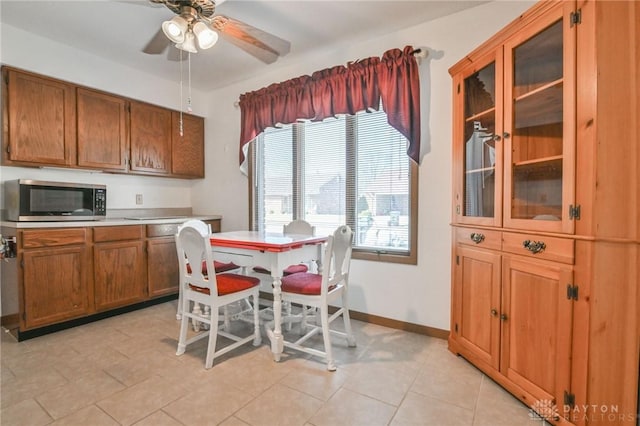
<point x="480" y="186"/>
<point x="539" y="142"/>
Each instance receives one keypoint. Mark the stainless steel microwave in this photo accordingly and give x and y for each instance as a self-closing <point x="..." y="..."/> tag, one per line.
<point x="34" y="201"/>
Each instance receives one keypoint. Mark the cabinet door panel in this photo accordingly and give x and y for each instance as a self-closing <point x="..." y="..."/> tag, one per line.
<point x="54" y="285"/>
<point x="120" y="275"/>
<point x="102" y="132"/>
<point x="477" y="152"/>
<point x="163" y="274"/>
<point x="477" y="326"/>
<point x="41" y="120"/>
<point x="539" y="108"/>
<point x="150" y="138"/>
<point x="536" y="332"/>
<point x="187" y="149"/>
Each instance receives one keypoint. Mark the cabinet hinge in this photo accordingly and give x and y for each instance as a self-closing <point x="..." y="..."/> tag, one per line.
<point x="6" y="78"/>
<point x="24" y="316"/>
<point x="457" y="260"/>
<point x="574" y="212"/>
<point x="455" y="327"/>
<point x="576" y="17"/>
<point x="8" y="149"/>
<point x="572" y="292"/>
<point x="569" y="399"/>
<point x="21" y="263"/>
<point x="458" y="87"/>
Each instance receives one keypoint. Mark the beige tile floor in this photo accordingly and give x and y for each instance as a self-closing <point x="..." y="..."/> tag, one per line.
<point x="123" y="371"/>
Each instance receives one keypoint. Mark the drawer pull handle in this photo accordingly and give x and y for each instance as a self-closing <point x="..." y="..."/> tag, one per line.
<point x="534" y="246"/>
<point x="477" y="237"/>
<point x="494" y="312"/>
<point x="503" y="317"/>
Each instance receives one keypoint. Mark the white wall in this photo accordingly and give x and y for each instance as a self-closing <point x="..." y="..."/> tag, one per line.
<point x="418" y="294"/>
<point x="27" y="51"/>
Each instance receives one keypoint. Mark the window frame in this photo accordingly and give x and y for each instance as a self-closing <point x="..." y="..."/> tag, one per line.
<point x="377" y="255"/>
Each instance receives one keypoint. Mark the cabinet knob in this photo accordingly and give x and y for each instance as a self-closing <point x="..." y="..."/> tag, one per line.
<point x="534" y="246"/>
<point x="506" y="135"/>
<point x="477" y="237"/>
<point x="496" y="138"/>
<point x="503" y="317"/>
<point x="494" y="312"/>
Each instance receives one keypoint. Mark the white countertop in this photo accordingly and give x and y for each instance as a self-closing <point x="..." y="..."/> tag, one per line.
<point x="112" y="221"/>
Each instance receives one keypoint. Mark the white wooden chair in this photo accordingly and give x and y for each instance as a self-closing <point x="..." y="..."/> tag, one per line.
<point x="300" y="227"/>
<point x="220" y="267"/>
<point x="211" y="290"/>
<point x="318" y="290"/>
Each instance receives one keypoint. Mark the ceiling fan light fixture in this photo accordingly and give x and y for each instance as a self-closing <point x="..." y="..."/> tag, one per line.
<point x="205" y="36"/>
<point x="188" y="45"/>
<point x="176" y="29"/>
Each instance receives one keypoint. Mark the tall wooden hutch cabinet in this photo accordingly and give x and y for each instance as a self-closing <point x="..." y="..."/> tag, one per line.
<point x="546" y="210"/>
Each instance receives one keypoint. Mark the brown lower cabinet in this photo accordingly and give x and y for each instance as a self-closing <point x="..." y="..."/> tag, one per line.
<point x="55" y="268"/>
<point x="69" y="274"/>
<point x="119" y="275"/>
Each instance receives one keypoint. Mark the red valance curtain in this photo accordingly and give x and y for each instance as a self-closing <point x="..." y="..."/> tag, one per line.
<point x="359" y="86"/>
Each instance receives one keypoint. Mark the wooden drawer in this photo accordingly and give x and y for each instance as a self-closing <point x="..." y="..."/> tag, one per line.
<point x="117" y="233"/>
<point x="539" y="246"/>
<point x="162" y="230"/>
<point x="482" y="238"/>
<point x="170" y="229"/>
<point x="53" y="237"/>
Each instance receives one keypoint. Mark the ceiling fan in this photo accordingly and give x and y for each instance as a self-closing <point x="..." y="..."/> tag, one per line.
<point x="195" y="23"/>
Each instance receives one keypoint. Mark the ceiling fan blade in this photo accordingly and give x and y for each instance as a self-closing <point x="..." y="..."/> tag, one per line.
<point x="157" y="44"/>
<point x="152" y="3"/>
<point x="261" y="44"/>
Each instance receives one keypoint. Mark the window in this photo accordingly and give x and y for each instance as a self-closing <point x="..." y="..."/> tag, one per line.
<point x="350" y="170"/>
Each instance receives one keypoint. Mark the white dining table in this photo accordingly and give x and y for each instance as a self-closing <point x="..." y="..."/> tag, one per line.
<point x="275" y="251"/>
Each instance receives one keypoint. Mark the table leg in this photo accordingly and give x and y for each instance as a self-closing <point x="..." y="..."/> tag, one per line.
<point x="277" y="341"/>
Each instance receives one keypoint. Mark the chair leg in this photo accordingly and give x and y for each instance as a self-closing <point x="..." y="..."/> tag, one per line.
<point x="257" y="337"/>
<point x="351" y="340"/>
<point x="196" y="311"/>
<point x="182" y="338"/>
<point x="227" y="319"/>
<point x="287" y="310"/>
<point x="303" y="323"/>
<point x="213" y="336"/>
<point x="179" y="310"/>
<point x="326" y="336"/>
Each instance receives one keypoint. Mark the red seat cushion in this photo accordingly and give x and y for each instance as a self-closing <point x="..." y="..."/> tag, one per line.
<point x="223" y="267"/>
<point x="230" y="283"/>
<point x="302" y="283"/>
<point x="261" y="270"/>
<point x="292" y="269"/>
<point x="220" y="267"/>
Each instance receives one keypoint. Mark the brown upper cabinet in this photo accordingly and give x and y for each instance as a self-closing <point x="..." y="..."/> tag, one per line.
<point x="48" y="122"/>
<point x="102" y="130"/>
<point x="39" y="116"/>
<point x="150" y="138"/>
<point x="187" y="147"/>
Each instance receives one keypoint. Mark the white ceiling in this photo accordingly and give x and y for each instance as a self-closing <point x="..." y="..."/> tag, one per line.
<point x="119" y="29"/>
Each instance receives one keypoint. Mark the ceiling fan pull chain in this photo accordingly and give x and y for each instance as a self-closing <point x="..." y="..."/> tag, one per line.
<point x="189" y="110"/>
<point x="181" y="128"/>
